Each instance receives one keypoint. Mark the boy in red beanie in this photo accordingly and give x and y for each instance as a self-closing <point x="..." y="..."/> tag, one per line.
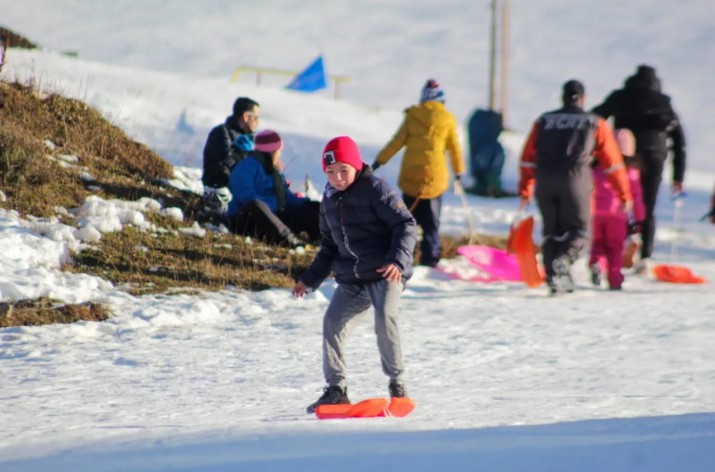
<point x="368" y="237"/>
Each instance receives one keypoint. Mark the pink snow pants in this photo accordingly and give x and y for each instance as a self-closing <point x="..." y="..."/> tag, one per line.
<point x="609" y="236"/>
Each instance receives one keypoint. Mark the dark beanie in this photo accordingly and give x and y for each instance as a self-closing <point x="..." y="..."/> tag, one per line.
<point x="573" y="90"/>
<point x="646" y="70"/>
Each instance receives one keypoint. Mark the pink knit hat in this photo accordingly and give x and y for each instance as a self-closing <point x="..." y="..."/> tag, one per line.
<point x="267" y="141"/>
<point x="626" y="142"/>
<point x="342" y="149"/>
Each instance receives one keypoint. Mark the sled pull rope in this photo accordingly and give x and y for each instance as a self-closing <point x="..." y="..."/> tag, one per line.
<point x="459" y="190"/>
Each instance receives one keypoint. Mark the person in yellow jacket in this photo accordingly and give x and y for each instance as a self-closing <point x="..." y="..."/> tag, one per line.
<point x="428" y="131"/>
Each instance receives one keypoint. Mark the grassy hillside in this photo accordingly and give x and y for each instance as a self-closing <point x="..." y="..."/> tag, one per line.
<point x="38" y="133"/>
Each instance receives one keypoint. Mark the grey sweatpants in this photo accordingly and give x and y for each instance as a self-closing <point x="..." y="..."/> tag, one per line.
<point x="349" y="304"/>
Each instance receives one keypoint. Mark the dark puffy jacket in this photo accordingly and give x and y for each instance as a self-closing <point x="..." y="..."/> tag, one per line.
<point x="362" y="228"/>
<point x="219" y="157"/>
<point x="641" y="107"/>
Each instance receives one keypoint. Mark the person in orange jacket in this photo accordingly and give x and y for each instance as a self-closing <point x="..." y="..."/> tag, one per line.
<point x="427" y="132"/>
<point x="556" y="167"/>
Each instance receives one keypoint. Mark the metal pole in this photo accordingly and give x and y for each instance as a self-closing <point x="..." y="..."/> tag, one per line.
<point x="504" y="61"/>
<point x="493" y="57"/>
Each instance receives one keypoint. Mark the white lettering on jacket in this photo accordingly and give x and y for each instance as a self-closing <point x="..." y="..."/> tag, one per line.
<point x="565" y="121"/>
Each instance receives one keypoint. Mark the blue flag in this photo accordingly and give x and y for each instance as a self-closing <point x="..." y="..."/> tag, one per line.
<point x="311" y="79"/>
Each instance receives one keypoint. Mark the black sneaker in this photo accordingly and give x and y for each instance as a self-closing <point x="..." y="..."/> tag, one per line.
<point x="397" y="389"/>
<point x="332" y="395"/>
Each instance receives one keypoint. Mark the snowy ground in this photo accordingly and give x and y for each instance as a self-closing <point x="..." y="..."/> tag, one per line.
<point x="505" y="378"/>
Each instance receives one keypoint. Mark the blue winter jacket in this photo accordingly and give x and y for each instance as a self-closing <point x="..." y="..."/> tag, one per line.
<point x="362" y="228"/>
<point x="250" y="181"/>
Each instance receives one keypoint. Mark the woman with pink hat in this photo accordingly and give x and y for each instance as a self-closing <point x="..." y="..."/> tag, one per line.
<point x="263" y="206"/>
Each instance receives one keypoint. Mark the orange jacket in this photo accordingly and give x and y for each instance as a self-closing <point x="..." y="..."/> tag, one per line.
<point x="605" y="150"/>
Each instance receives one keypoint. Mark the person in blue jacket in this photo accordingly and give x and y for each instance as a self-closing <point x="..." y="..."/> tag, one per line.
<point x="262" y="205"/>
<point x="367" y="240"/>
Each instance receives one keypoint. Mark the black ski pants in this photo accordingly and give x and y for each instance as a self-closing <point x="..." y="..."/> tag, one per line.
<point x="651" y="177"/>
<point x="564" y="201"/>
<point x="427" y="215"/>
<point x="256" y="219"/>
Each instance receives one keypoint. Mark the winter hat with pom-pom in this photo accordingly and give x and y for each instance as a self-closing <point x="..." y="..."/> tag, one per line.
<point x="432" y="91"/>
<point x="342" y="149"/>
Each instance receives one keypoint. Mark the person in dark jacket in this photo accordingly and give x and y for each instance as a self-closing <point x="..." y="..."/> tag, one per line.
<point x="368" y="238"/>
<point x="219" y="155"/>
<point x="263" y="206"/>
<point x="557" y="158"/>
<point x="641" y="107"/>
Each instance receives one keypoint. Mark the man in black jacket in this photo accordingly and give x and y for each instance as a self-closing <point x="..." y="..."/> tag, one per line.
<point x="641" y="107"/>
<point x="218" y="155"/>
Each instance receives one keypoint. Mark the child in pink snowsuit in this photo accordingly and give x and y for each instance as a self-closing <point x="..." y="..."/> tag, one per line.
<point x="610" y="225"/>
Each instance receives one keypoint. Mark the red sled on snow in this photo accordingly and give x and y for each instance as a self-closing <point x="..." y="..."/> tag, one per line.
<point x="521" y="243"/>
<point x="676" y="274"/>
<point x="370" y="408"/>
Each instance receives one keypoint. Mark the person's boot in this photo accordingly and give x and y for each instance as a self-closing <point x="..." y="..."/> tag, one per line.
<point x="561" y="282"/>
<point x="596" y="274"/>
<point x="292" y="241"/>
<point x="332" y="395"/>
<point x="641" y="267"/>
<point x="397" y="389"/>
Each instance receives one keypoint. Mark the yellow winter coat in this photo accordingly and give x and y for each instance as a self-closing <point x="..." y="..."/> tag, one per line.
<point x="427" y="131"/>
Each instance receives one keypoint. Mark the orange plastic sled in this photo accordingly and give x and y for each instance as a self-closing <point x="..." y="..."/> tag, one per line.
<point x="676" y="274"/>
<point x="521" y="243"/>
<point x="370" y="408"/>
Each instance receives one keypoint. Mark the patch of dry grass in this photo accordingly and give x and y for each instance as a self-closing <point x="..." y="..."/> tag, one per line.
<point x="46" y="311"/>
<point x="145" y="262"/>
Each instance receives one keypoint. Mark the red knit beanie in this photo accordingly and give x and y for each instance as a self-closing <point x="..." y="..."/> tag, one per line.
<point x="267" y="141"/>
<point x="342" y="149"/>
